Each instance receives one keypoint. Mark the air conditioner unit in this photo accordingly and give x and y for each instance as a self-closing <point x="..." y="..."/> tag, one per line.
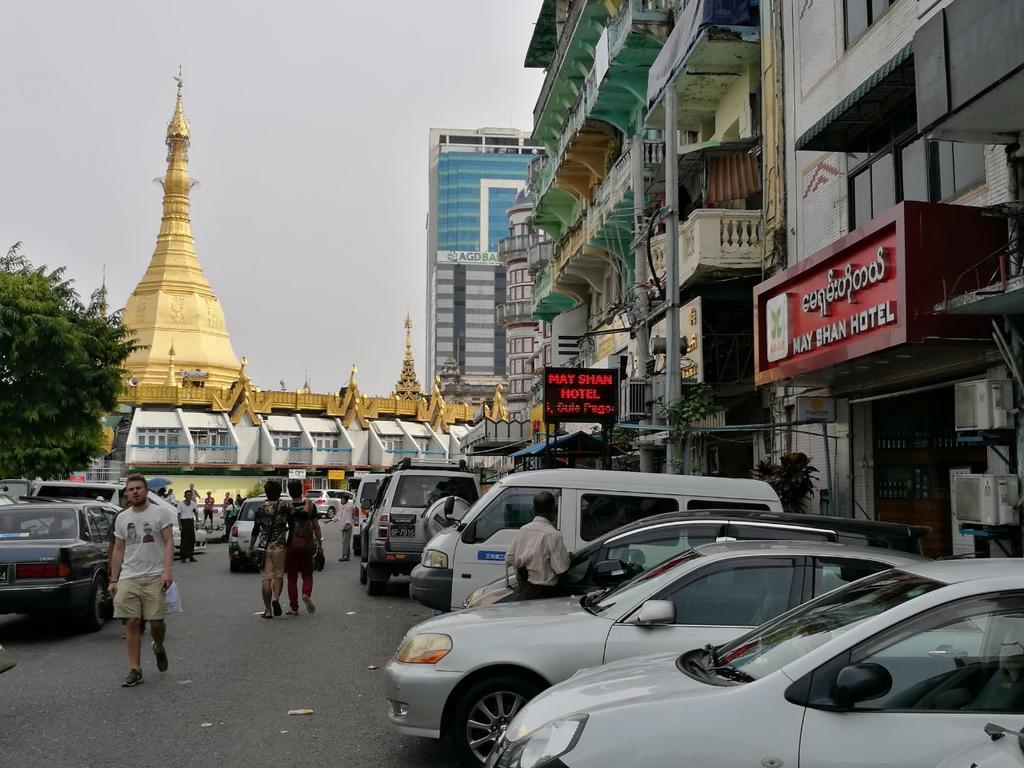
<point x="986" y="499"/>
<point x="985" y="404"/>
<point x="633" y="400"/>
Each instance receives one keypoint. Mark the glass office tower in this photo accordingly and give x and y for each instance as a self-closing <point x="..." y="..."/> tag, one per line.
<point x="474" y="178"/>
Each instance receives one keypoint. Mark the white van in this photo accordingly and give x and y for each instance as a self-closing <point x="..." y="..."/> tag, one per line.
<point x="591" y="502"/>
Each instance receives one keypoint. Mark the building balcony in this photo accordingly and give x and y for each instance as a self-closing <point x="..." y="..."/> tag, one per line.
<point x="138" y="453"/>
<point x="539" y="255"/>
<point x="516" y="246"/>
<point x="302" y="456"/>
<point x="548" y="302"/>
<point x="713" y="244"/>
<point x="712" y="46"/>
<point x="331" y="456"/>
<point x="216" y="454"/>
<point x="514" y="312"/>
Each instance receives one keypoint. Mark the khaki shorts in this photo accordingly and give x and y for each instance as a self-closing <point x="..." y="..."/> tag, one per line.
<point x="273" y="562"/>
<point x="140" y="598"/>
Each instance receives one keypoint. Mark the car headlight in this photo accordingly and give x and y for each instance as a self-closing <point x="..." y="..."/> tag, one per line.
<point x="427" y="648"/>
<point x="546" y="744"/>
<point x="433" y="558"/>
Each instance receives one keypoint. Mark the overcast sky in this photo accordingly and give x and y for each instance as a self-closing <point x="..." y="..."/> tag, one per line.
<point x="309" y="139"/>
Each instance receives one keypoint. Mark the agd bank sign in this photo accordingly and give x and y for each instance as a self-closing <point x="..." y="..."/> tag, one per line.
<point x="480" y="258"/>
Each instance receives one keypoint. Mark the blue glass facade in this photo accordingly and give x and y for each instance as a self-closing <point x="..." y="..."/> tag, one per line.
<point x="459" y="176"/>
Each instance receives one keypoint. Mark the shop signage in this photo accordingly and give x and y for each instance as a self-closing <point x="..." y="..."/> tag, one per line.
<point x="581" y="395"/>
<point x="296" y="474"/>
<point x="335" y="474"/>
<point x="480" y="258"/>
<point x="869" y="291"/>
<point x="816" y="409"/>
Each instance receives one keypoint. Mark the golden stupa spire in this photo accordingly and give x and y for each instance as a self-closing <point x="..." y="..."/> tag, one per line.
<point x="174" y="296"/>
<point x="172" y="375"/>
<point x="408" y="387"/>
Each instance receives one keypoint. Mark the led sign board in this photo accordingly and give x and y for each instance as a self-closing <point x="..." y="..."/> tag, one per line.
<point x="581" y="395"/>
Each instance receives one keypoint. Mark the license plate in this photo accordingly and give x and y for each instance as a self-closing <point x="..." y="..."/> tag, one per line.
<point x="403" y="531"/>
<point x="5" y="577"/>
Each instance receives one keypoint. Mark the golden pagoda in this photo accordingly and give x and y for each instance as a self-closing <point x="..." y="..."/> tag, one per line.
<point x="173" y="307"/>
<point x="408" y="386"/>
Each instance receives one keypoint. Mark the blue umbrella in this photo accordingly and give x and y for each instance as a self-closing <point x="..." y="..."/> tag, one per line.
<point x="157" y="483"/>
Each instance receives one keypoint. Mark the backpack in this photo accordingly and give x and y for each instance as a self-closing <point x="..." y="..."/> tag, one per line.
<point x="302" y="534"/>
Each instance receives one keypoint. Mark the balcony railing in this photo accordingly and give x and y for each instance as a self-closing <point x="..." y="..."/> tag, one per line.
<point x="713" y="243"/>
<point x="518" y="244"/>
<point x="539" y="255"/>
<point x="513" y="312"/>
<point x="618" y="182"/>
<point x="300" y="455"/>
<point x="332" y="455"/>
<point x="554" y="68"/>
<point x="216" y="454"/>
<point x="138" y="453"/>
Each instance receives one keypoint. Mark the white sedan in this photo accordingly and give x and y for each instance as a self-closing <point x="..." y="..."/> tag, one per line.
<point x="469" y="672"/>
<point x="901" y="669"/>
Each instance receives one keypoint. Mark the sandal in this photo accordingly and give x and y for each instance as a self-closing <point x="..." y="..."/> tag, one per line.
<point x="292" y="613"/>
<point x="266" y="615"/>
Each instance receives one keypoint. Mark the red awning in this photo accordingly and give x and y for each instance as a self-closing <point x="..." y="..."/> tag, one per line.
<point x="732" y="177"/>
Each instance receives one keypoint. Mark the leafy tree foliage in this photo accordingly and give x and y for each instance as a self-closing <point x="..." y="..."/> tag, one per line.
<point x="792" y="478"/>
<point x="60" y="370"/>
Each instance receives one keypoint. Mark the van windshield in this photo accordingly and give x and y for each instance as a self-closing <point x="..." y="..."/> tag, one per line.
<point x="76" y="491"/>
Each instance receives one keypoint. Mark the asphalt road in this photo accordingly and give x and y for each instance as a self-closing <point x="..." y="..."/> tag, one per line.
<point x="232" y="679"/>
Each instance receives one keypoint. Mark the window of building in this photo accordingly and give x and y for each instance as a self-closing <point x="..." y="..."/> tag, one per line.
<point x="326" y="441"/>
<point x="901" y="165"/>
<point x="861" y="15"/>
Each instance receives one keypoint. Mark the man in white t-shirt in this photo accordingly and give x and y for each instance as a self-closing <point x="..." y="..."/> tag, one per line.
<point x="345" y="518"/>
<point x="140" y="570"/>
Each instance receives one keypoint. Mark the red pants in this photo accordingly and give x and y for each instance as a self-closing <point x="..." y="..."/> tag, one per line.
<point x="296" y="562"/>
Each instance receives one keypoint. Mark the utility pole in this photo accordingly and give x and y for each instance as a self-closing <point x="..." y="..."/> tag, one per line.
<point x="642" y="329"/>
<point x="672" y="372"/>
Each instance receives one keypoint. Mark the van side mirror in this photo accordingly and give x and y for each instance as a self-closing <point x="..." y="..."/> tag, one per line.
<point x="609" y="572"/>
<point x="861" y="682"/>
<point x="656" y="612"/>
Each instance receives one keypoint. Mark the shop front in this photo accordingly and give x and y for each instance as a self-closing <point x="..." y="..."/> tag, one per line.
<point x="856" y="321"/>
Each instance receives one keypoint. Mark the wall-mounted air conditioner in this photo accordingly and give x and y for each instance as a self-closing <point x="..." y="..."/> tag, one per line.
<point x="986" y="499"/>
<point x="985" y="404"/>
<point x="633" y="404"/>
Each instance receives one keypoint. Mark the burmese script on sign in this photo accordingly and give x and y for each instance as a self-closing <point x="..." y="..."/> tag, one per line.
<point x="866" y="320"/>
<point x="580" y="395"/>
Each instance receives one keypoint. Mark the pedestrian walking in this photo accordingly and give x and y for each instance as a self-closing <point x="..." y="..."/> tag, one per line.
<point x="304" y="542"/>
<point x="171" y="498"/>
<point x="188" y="519"/>
<point x="228" y="513"/>
<point x="209" y="505"/>
<point x="538" y="554"/>
<point x="140" y="568"/>
<point x="238" y="501"/>
<point x="345" y="517"/>
<point x="270" y="534"/>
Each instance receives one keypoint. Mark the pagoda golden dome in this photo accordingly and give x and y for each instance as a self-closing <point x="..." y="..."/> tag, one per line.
<point x="173" y="306"/>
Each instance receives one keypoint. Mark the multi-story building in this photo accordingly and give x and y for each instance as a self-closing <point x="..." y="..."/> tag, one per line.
<point x="902" y="122"/>
<point x="474" y="177"/>
<point x="600" y="193"/>
<point x="516" y="313"/>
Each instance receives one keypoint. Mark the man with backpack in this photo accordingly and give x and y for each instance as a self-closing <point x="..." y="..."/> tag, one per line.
<point x="304" y="542"/>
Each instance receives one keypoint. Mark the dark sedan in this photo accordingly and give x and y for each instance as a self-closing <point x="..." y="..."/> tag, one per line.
<point x="53" y="560"/>
<point x="636" y="547"/>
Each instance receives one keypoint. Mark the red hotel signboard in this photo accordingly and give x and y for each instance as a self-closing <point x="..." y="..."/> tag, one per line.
<point x="581" y="395"/>
<point x="871" y="290"/>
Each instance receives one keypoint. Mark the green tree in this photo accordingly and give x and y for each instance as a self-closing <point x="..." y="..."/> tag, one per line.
<point x="60" y="370"/>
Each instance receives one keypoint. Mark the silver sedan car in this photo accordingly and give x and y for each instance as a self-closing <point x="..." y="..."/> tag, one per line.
<point x="466" y="674"/>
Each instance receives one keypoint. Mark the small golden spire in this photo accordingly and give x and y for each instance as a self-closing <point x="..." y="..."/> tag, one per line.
<point x="178" y="128"/>
<point x="408" y="387"/>
<point x="172" y="375"/>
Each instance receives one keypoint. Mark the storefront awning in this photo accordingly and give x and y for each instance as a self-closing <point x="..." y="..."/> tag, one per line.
<point x="847" y="124"/>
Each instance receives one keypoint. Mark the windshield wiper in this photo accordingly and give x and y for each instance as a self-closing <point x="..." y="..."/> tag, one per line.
<point x="724" y="670"/>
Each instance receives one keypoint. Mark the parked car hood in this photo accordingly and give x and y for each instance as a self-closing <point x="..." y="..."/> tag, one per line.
<point x="643" y="681"/>
<point x="535" y="612"/>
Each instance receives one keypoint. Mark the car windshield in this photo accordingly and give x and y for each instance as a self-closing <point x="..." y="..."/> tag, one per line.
<point x="36" y="523"/>
<point x="314" y="494"/>
<point x="777" y="643"/>
<point x="622" y="592"/>
<point x="420" y="491"/>
<point x="76" y="491"/>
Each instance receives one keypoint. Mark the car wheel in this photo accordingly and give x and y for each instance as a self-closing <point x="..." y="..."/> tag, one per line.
<point x="95" y="611"/>
<point x="376" y="587"/>
<point x="483" y="712"/>
<point x="235" y="566"/>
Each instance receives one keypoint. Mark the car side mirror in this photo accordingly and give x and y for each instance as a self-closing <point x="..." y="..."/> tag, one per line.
<point x="656" y="612"/>
<point x="861" y="682"/>
<point x="449" y="509"/>
<point x="609" y="572"/>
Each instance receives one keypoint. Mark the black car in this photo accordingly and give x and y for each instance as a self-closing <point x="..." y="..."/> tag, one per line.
<point x="633" y="548"/>
<point x="54" y="560"/>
